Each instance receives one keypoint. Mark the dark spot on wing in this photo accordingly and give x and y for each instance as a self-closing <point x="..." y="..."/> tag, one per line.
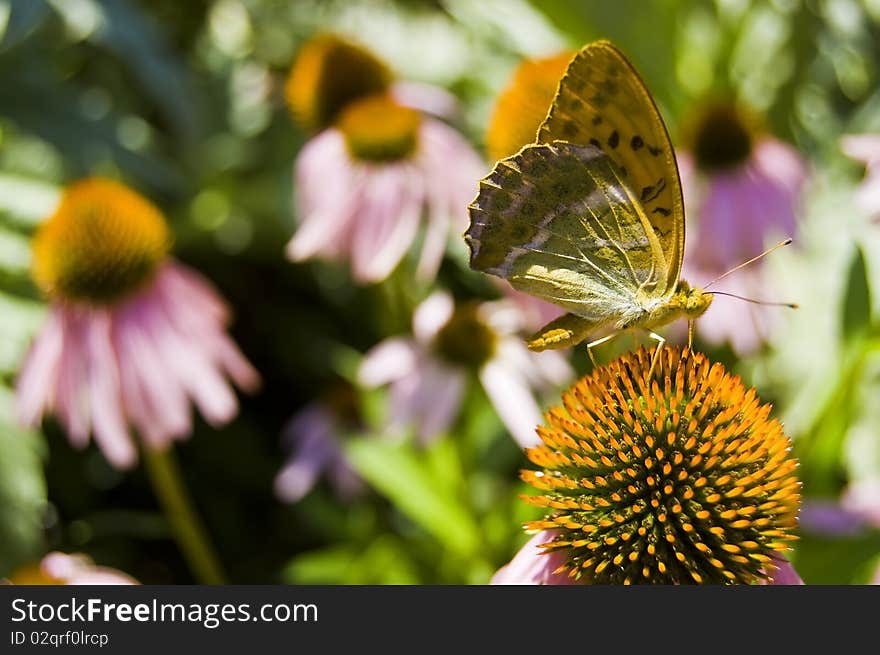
<point x="636" y="142"/>
<point x="654" y="150"/>
<point x="599" y="99"/>
<point x="651" y="192"/>
<point x="623" y="171"/>
<point x="614" y="139"/>
<point x="662" y="211"/>
<point x="595" y="142"/>
<point x="597" y="120"/>
<point x="569" y="129"/>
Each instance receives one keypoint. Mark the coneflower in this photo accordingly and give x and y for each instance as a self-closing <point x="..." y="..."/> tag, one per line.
<point x="677" y="477"/>
<point x="131" y="335"/>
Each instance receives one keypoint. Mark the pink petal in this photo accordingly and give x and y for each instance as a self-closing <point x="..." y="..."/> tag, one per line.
<point x="389" y="360"/>
<point x="183" y="356"/>
<point x="387" y="221"/>
<point x="784" y="573"/>
<point x="80" y="570"/>
<point x="439" y="400"/>
<point x="155" y="400"/>
<point x="863" y="147"/>
<point x="39" y="373"/>
<point x="781" y="163"/>
<point x="436" y="237"/>
<point x="329" y="203"/>
<point x="108" y="423"/>
<point x="234" y="363"/>
<point x="72" y="401"/>
<point x="426" y="97"/>
<point x="862" y="497"/>
<point x="868" y="194"/>
<point x="513" y="401"/>
<point x="532" y="565"/>
<point x="189" y="294"/>
<point x="431" y="315"/>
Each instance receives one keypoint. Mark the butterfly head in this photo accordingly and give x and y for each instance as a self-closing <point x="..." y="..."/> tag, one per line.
<point x="692" y="301"/>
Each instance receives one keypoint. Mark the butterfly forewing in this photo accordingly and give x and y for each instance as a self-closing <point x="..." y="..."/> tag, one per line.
<point x="603" y="102"/>
<point x="557" y="222"/>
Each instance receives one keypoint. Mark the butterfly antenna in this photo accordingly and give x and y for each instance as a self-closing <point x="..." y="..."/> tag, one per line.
<point x="790" y="305"/>
<point x="746" y="263"/>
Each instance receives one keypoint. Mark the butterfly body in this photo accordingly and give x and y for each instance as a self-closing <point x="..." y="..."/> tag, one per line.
<point x="591" y="217"/>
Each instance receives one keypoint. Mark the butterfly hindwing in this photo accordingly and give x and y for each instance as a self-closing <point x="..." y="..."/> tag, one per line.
<point x="557" y="222"/>
<point x="602" y="101"/>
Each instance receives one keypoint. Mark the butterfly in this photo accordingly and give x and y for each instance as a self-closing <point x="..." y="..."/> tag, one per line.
<point x="591" y="216"/>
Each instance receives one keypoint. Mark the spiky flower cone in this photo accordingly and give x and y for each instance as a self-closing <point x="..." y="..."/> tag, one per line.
<point x="680" y="477"/>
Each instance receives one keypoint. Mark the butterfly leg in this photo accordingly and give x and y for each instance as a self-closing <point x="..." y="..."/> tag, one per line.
<point x="566" y="331"/>
<point x="660" y="343"/>
<point x="691" y="325"/>
<point x="598" y="342"/>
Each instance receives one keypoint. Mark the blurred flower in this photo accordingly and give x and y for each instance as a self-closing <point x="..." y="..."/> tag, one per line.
<point x="328" y="74"/>
<point x="62" y="569"/>
<point x="673" y="476"/>
<point x="312" y="438"/>
<point x="523" y="104"/>
<point x="131" y="334"/>
<point x="866" y="149"/>
<point x="364" y="183"/>
<point x="742" y="189"/>
<point x="428" y="373"/>
<point x="857" y="508"/>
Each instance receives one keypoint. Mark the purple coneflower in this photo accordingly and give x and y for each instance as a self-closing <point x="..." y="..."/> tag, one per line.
<point x="659" y="473"/>
<point x="313" y="440"/>
<point x="376" y="168"/>
<point x="429" y="372"/>
<point x="534" y="565"/>
<point x="866" y="149"/>
<point x="741" y="187"/>
<point x="131" y="334"/>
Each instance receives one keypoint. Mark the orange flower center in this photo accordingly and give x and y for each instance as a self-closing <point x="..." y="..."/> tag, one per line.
<point x="523" y="105"/>
<point x="330" y="73"/>
<point x="103" y="242"/>
<point x="673" y="474"/>
<point x="377" y="129"/>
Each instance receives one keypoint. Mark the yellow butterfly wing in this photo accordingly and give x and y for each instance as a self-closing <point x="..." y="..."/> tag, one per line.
<point x="602" y="101"/>
<point x="557" y="222"/>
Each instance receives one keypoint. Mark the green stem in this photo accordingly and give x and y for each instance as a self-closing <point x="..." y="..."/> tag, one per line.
<point x="190" y="534"/>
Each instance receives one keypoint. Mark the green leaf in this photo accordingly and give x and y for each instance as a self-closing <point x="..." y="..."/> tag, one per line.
<point x="325" y="566"/>
<point x="140" y="43"/>
<point x="857" y="301"/>
<point x="21" y="18"/>
<point x="829" y="560"/>
<point x="384" y="561"/>
<point x="15" y="252"/>
<point x="26" y="201"/>
<point x="404" y="475"/>
<point x="21" y="319"/>
<point x="22" y="490"/>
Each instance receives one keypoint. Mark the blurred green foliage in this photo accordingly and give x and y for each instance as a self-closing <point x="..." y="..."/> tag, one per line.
<point x="183" y="101"/>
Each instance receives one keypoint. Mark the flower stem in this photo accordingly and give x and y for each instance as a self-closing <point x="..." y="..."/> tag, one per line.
<point x="189" y="532"/>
